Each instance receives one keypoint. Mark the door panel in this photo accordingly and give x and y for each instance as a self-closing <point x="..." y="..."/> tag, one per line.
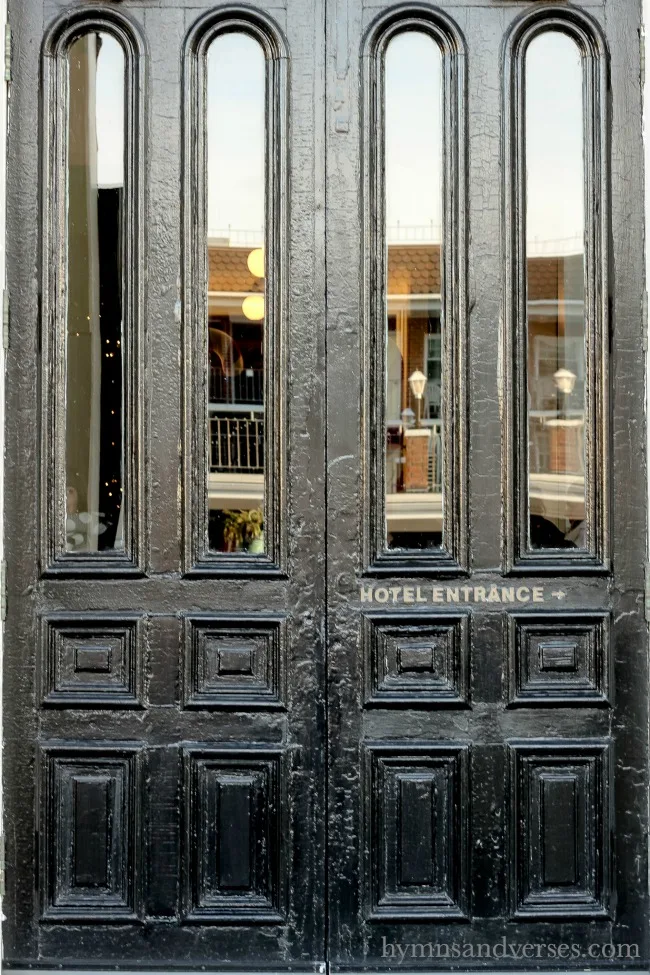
<point x="465" y="811"/>
<point x="165" y="775"/>
<point x="389" y="721"/>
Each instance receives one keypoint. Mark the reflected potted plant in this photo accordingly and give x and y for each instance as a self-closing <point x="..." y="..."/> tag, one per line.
<point x="244" y="529"/>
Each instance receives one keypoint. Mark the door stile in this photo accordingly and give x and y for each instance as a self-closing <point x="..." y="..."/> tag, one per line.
<point x="629" y="510"/>
<point x="22" y="494"/>
<point x="344" y="258"/>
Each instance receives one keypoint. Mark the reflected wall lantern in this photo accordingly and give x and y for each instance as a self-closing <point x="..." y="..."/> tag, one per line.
<point x="253" y="307"/>
<point x="564" y="381"/>
<point x="255" y="262"/>
<point x="417" y="382"/>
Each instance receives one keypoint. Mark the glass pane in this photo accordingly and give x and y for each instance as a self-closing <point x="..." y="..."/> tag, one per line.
<point x="414" y="326"/>
<point x="95" y="221"/>
<point x="236" y="78"/>
<point x="555" y="287"/>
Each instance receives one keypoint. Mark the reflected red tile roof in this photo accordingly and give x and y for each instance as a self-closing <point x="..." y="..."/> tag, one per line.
<point x="229" y="270"/>
<point x="412" y="269"/>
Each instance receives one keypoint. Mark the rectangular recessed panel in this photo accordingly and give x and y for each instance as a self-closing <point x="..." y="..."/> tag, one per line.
<point x="416" y="659"/>
<point x="559" y="828"/>
<point x="234" y="661"/>
<point x="234" y="838"/>
<point x="89" y="832"/>
<point x="559" y="815"/>
<point x="234" y="833"/>
<point x="417" y="830"/>
<point x="92" y="841"/>
<point x="416" y="799"/>
<point x="558" y="655"/>
<point x="559" y="658"/>
<point x="91" y="660"/>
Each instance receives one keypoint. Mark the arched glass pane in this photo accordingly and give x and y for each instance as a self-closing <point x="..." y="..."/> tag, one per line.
<point x="414" y="301"/>
<point x="94" y="409"/>
<point x="555" y="231"/>
<point x="236" y="73"/>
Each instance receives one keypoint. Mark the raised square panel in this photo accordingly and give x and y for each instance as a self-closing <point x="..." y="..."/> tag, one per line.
<point x="234" y="661"/>
<point x="415" y="807"/>
<point x="91" y="660"/>
<point x="559" y="825"/>
<point x="234" y="861"/>
<point x="416" y="659"/>
<point x="559" y="658"/>
<point x="90" y="832"/>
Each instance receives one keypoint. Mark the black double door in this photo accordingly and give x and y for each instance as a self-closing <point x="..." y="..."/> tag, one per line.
<point x="325" y="498"/>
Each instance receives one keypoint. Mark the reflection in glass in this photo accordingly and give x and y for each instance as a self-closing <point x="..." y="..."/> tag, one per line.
<point x="555" y="291"/>
<point x="236" y="79"/>
<point x="94" y="409"/>
<point x="414" y="329"/>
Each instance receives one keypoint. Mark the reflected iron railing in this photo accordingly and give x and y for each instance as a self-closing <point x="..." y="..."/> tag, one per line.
<point x="244" y="387"/>
<point x="236" y="445"/>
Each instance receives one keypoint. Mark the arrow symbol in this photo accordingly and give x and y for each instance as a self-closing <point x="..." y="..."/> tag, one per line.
<point x="559" y="594"/>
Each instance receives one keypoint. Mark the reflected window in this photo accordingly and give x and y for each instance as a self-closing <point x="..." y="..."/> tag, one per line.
<point x="414" y="428"/>
<point x="94" y="408"/>
<point x="555" y="228"/>
<point x="236" y="81"/>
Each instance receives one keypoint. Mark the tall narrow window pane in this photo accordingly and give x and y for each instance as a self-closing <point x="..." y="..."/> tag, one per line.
<point x="555" y="227"/>
<point x="236" y="293"/>
<point x="414" y="326"/>
<point x="94" y="411"/>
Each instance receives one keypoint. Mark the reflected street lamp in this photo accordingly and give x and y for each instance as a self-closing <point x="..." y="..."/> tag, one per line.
<point x="418" y="382"/>
<point x="565" y="381"/>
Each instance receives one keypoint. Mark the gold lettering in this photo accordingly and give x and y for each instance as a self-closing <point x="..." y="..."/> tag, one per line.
<point x="508" y="594"/>
<point x="452" y="595"/>
<point x="395" y="591"/>
<point x="493" y="595"/>
<point x="420" y="598"/>
<point x="436" y="594"/>
<point x="381" y="595"/>
<point x="366" y="594"/>
<point x="479" y="594"/>
<point x="538" y="594"/>
<point x="523" y="594"/>
<point x="409" y="594"/>
<point x="466" y="590"/>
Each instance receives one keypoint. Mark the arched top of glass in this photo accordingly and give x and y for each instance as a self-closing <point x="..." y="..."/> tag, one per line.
<point x="570" y="21"/>
<point x="74" y="24"/>
<point x="415" y="17"/>
<point x="237" y="20"/>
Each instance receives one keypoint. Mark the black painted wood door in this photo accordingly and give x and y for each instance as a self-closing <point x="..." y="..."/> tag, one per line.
<point x="349" y="675"/>
<point x="165" y="715"/>
<point x="486" y="669"/>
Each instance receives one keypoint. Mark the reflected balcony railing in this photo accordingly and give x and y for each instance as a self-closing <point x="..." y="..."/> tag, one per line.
<point x="236" y="445"/>
<point x="244" y="387"/>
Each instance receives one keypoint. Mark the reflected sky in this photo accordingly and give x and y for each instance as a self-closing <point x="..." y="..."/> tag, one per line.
<point x="413" y="106"/>
<point x="110" y="113"/>
<point x="554" y="139"/>
<point x="413" y="82"/>
<point x="235" y="136"/>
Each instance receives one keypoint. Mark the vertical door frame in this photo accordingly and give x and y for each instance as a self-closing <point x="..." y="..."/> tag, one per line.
<point x="4" y="96"/>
